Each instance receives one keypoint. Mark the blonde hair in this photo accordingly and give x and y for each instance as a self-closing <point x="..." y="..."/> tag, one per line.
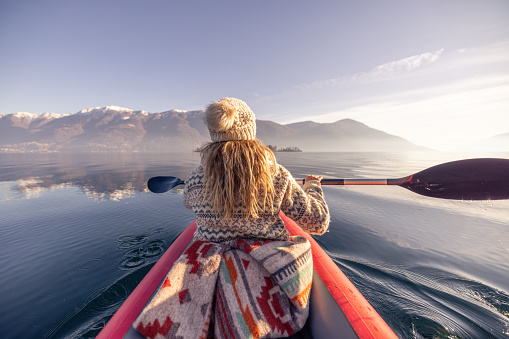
<point x="239" y="173"/>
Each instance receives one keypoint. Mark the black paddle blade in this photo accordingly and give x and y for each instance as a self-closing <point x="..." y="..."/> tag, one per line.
<point x="471" y="179"/>
<point x="163" y="184"/>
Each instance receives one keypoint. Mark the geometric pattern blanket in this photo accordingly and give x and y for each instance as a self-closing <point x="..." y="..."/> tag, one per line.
<point x="239" y="289"/>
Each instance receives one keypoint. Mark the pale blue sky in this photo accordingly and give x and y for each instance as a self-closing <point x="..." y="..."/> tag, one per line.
<point x="430" y="71"/>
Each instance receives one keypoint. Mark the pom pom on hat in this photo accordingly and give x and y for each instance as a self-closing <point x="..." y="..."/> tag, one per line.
<point x="230" y="119"/>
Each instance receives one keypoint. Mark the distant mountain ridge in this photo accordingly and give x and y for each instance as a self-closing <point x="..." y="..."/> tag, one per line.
<point x="119" y="129"/>
<point x="497" y="143"/>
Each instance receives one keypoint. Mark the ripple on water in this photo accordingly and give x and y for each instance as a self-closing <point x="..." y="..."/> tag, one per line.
<point x="422" y="301"/>
<point x="98" y="307"/>
<point x="105" y="298"/>
<point x="138" y="256"/>
<point x="129" y="263"/>
<point x="129" y="241"/>
<point x="154" y="248"/>
<point x="90" y="264"/>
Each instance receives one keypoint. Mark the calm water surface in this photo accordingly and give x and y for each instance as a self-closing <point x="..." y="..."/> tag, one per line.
<point x="78" y="232"/>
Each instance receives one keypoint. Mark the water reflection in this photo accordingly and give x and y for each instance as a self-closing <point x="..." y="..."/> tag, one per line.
<point x="99" y="176"/>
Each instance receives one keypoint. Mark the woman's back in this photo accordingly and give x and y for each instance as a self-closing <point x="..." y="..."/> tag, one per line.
<point x="306" y="206"/>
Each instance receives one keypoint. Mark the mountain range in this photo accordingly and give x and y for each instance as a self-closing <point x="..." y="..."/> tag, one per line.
<point x="120" y="129"/>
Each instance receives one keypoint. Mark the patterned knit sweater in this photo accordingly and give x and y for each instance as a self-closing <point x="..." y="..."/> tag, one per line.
<point x="306" y="206"/>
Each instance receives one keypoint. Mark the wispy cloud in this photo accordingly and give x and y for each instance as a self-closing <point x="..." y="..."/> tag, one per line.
<point x="384" y="71"/>
<point x="408" y="64"/>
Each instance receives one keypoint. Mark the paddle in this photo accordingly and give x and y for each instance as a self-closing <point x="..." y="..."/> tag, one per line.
<point x="471" y="179"/>
<point x="163" y="184"/>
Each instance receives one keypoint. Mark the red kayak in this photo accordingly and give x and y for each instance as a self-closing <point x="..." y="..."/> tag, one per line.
<point x="337" y="308"/>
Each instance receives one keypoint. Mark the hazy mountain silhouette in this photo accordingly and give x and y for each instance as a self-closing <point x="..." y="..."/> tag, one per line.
<point x="497" y="143"/>
<point x="120" y="129"/>
<point x="342" y="135"/>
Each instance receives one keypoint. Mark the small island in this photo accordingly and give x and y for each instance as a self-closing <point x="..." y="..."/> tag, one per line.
<point x="285" y="149"/>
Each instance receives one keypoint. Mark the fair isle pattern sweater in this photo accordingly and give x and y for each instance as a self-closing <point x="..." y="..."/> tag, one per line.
<point x="306" y="206"/>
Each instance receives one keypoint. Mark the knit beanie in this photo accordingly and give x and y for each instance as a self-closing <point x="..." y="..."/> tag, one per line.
<point x="230" y="119"/>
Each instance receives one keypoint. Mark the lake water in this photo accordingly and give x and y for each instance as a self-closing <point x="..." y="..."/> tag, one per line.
<point x="78" y="232"/>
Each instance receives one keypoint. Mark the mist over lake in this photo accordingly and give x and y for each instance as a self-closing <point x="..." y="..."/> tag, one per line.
<point x="79" y="231"/>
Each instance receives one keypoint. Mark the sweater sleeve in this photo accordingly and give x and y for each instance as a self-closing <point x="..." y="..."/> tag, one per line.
<point x="306" y="206"/>
<point x="185" y="198"/>
<point x="193" y="187"/>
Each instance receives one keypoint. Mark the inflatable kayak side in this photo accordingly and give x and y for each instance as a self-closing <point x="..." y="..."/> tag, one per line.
<point x="336" y="306"/>
<point x="122" y="320"/>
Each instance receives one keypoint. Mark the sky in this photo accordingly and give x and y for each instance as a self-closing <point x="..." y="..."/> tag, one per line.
<point x="434" y="72"/>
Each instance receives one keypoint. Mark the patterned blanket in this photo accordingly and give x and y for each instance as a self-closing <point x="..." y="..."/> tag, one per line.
<point x="240" y="289"/>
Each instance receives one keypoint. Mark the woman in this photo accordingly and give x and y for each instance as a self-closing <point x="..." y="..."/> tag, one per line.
<point x="243" y="276"/>
<point x="239" y="188"/>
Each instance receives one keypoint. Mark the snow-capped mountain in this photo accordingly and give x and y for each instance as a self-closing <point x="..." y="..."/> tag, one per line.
<point x="120" y="129"/>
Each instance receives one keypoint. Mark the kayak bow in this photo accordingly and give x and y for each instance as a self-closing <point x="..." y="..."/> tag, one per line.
<point x="336" y="306"/>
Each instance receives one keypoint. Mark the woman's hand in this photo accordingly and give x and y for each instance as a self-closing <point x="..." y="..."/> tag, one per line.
<point x="313" y="177"/>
